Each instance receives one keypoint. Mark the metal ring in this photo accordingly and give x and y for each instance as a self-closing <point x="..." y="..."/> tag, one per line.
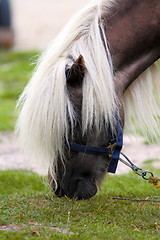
<point x="144" y="173"/>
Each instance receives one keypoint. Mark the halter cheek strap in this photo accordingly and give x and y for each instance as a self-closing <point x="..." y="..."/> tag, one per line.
<point x="116" y="151"/>
<point x="112" y="151"/>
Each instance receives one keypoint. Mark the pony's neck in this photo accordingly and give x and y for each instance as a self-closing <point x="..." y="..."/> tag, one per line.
<point x="133" y="34"/>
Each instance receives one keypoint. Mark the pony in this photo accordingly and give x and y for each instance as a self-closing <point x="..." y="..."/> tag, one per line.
<point x="100" y="72"/>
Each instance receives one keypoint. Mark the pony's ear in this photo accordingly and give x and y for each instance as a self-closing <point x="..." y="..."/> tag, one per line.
<point x="75" y="74"/>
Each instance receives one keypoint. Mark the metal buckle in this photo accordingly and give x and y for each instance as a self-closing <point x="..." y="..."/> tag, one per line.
<point x="111" y="148"/>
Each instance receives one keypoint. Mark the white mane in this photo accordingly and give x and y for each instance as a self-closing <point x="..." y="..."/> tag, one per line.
<point x="43" y="122"/>
<point x="45" y="105"/>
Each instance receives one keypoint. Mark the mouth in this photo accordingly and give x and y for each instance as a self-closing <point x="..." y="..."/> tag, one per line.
<point x="81" y="191"/>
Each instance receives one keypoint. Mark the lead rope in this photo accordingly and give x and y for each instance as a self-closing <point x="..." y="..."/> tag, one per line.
<point x="147" y="175"/>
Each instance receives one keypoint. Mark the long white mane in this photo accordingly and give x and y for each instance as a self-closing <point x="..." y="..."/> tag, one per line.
<point x="45" y="105"/>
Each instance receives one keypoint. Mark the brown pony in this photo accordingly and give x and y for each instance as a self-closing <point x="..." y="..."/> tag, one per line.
<point x="97" y="76"/>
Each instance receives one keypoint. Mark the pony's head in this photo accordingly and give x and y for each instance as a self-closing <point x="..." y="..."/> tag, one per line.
<point x="80" y="173"/>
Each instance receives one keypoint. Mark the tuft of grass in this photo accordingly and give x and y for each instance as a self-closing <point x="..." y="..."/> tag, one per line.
<point x="21" y="182"/>
<point x="27" y="203"/>
<point x="15" y="71"/>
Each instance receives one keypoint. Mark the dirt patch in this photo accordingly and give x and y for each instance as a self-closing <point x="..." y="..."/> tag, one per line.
<point x="12" y="156"/>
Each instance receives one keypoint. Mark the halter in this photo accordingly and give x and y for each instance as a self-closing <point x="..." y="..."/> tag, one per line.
<point x="112" y="151"/>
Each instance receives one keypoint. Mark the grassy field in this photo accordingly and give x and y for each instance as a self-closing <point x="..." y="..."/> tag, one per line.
<point x="15" y="70"/>
<point x="29" y="212"/>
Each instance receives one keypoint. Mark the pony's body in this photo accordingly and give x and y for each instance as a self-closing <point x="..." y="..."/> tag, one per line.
<point x="78" y="90"/>
<point x="133" y="34"/>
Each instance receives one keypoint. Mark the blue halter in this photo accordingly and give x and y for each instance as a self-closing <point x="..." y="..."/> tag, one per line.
<point x="112" y="151"/>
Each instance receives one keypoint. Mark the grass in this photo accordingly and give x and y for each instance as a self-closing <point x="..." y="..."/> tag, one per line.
<point x="26" y="203"/>
<point x="26" y="206"/>
<point x="15" y="70"/>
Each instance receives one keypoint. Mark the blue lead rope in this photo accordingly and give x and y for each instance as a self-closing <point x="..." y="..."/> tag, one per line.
<point x="108" y="151"/>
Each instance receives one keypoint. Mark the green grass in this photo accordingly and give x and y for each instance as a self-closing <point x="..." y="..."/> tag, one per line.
<point x="15" y="70"/>
<point x="26" y="202"/>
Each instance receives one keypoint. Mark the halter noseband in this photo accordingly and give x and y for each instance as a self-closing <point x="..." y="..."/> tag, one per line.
<point x="112" y="151"/>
